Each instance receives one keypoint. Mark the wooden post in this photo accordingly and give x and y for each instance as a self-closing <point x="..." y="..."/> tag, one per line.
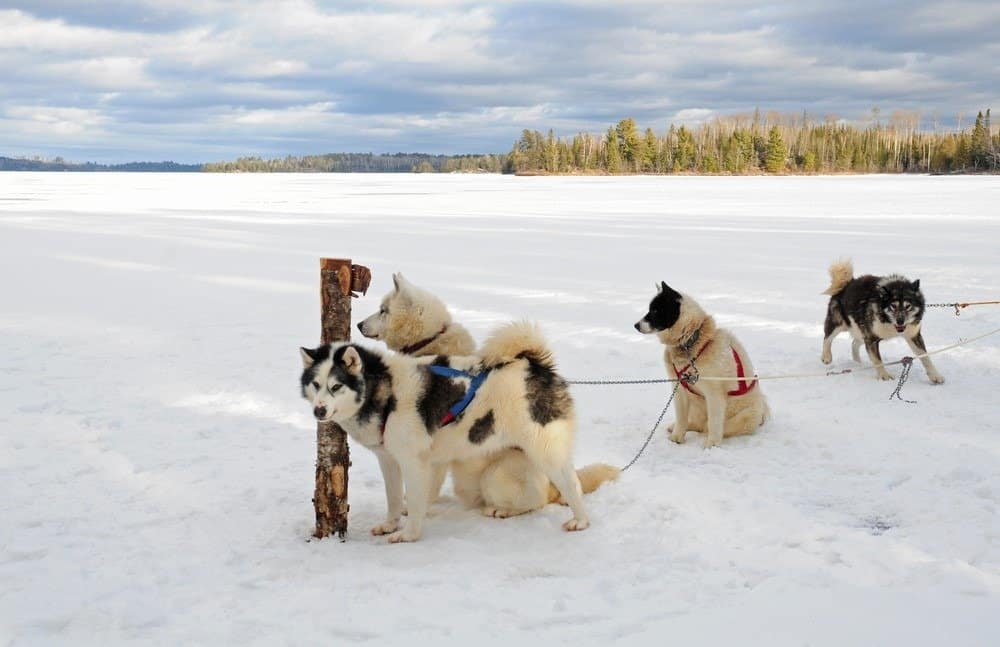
<point x="339" y="280"/>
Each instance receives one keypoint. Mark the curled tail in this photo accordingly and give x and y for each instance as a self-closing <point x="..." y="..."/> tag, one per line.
<point x="841" y="273"/>
<point x="513" y="341"/>
<point x="591" y="477"/>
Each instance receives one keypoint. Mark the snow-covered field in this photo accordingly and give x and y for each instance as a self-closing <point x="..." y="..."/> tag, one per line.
<point x="156" y="462"/>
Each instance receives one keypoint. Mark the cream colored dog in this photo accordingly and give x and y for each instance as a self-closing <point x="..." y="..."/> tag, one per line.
<point x="414" y="413"/>
<point x="696" y="346"/>
<point x="504" y="483"/>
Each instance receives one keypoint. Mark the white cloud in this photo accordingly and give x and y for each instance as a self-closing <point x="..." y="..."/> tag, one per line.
<point x="457" y="75"/>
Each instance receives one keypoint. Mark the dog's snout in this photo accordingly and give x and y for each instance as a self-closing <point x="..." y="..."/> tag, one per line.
<point x="361" y="328"/>
<point x="320" y="412"/>
<point x="638" y="326"/>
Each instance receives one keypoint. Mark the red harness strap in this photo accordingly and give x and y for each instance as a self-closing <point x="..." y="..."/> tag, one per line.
<point x="744" y="387"/>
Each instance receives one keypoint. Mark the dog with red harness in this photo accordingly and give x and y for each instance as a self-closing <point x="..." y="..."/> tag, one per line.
<point x="696" y="347"/>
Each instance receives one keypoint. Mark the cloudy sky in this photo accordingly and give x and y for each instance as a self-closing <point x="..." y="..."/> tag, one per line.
<point x="206" y="80"/>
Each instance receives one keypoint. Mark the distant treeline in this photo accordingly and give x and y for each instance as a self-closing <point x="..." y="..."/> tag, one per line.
<point x="738" y="145"/>
<point x="771" y="143"/>
<point x="363" y="163"/>
<point x="58" y="164"/>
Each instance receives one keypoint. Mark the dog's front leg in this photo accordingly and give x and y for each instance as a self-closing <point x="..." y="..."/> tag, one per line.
<point x="871" y="345"/>
<point x="393" y="480"/>
<point x="417" y="477"/>
<point x="715" y="404"/>
<point x="681" y="406"/>
<point x="916" y="344"/>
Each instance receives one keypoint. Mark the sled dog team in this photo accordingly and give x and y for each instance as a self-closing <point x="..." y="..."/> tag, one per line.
<point x="501" y="418"/>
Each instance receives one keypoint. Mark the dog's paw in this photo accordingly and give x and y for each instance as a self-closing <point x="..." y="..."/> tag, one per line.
<point x="498" y="513"/>
<point x="401" y="536"/>
<point x="385" y="527"/>
<point x="885" y="376"/>
<point x="711" y="442"/>
<point x="678" y="436"/>
<point x="937" y="378"/>
<point x="826" y="358"/>
<point x="576" y="524"/>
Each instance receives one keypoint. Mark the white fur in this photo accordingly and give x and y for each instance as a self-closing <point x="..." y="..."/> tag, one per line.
<point x="408" y="450"/>
<point x="501" y="484"/>
<point x="712" y="410"/>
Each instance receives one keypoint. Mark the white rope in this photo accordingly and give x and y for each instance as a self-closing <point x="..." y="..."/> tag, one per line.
<point x="795" y="376"/>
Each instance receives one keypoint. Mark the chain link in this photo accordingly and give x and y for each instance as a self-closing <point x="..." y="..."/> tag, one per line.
<point x="652" y="431"/>
<point x="904" y="374"/>
<point x="956" y="306"/>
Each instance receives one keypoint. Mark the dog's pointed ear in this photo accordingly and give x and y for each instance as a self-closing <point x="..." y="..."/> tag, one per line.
<point x="352" y="360"/>
<point x="916" y="284"/>
<point x="398" y="281"/>
<point x="669" y="291"/>
<point x="308" y="357"/>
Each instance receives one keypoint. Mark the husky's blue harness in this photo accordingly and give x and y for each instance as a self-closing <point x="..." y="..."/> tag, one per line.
<point x="475" y="381"/>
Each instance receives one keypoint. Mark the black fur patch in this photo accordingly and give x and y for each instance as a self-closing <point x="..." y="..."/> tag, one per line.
<point x="318" y="355"/>
<point x="864" y="302"/>
<point x="439" y="394"/>
<point x="548" y="393"/>
<point x="441" y="360"/>
<point x="481" y="429"/>
<point x="373" y="386"/>
<point x="664" y="309"/>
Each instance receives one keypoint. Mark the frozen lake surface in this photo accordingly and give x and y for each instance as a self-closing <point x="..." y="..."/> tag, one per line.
<point x="156" y="462"/>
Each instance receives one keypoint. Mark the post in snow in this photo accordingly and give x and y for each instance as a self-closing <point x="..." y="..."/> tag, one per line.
<point x="339" y="281"/>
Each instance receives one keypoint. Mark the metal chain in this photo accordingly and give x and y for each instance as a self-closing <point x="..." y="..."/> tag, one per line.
<point x="652" y="431"/>
<point x="660" y="381"/>
<point x="904" y="374"/>
<point x="956" y="306"/>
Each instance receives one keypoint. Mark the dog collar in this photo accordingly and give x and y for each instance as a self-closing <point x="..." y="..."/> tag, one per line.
<point x="413" y="348"/>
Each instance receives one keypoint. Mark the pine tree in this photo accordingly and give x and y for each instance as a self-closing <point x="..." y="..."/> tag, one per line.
<point x="684" y="153"/>
<point x="628" y="143"/>
<point x="650" y="147"/>
<point x="979" y="150"/>
<point x="612" y="154"/>
<point x="776" y="152"/>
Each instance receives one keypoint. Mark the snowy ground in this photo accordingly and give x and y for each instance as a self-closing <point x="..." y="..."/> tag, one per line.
<point x="156" y="463"/>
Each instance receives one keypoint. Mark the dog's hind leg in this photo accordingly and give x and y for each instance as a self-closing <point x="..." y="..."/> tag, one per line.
<point x="831" y="328"/>
<point x="745" y="422"/>
<point x="916" y="344"/>
<point x="871" y="344"/>
<point x="513" y="485"/>
<point x="550" y="450"/>
<point x="856" y="350"/>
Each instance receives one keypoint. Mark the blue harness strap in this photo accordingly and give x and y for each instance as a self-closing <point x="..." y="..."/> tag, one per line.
<point x="476" y="380"/>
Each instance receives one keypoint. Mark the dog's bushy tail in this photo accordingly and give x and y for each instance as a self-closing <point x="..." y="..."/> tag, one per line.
<point x="841" y="273"/>
<point x="516" y="340"/>
<point x="591" y="477"/>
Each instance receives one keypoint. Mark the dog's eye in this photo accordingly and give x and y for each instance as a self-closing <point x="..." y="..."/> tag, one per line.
<point x="383" y="310"/>
<point x="335" y="388"/>
<point x="315" y="385"/>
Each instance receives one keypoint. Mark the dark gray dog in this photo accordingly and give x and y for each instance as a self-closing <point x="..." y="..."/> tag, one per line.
<point x="874" y="308"/>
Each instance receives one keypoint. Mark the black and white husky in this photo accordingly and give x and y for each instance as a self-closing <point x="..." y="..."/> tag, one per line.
<point x="409" y="411"/>
<point x="874" y="308"/>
